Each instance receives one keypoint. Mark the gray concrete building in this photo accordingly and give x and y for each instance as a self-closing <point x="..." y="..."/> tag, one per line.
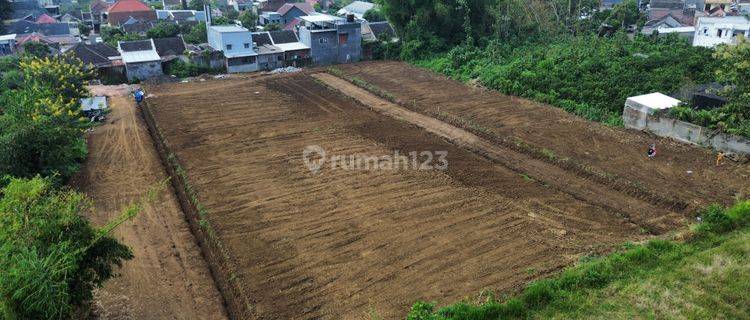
<point x="141" y="59"/>
<point x="332" y="39"/>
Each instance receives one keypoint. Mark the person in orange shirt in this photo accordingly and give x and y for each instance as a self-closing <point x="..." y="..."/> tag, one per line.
<point x="719" y="158"/>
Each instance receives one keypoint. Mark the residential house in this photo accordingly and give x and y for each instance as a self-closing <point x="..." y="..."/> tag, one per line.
<point x="47" y="29"/>
<point x="241" y="5"/>
<point x="269" y="56"/>
<point x="141" y="59"/>
<point x="21" y="10"/>
<point x="712" y="31"/>
<point x="669" y="25"/>
<point x="70" y="18"/>
<point x="7" y="44"/>
<point x="743" y="6"/>
<point x="357" y="8"/>
<point x="170" y="49"/>
<point x="106" y="60"/>
<point x="123" y="10"/>
<point x="270" y="17"/>
<point x="375" y="31"/>
<point x="716" y="5"/>
<point x="181" y="16"/>
<point x="173" y="4"/>
<point x="45" y="18"/>
<point x="296" y="53"/>
<point x="21" y="41"/>
<point x="332" y="39"/>
<point x="270" y="5"/>
<point x="291" y="11"/>
<point x="293" y="25"/>
<point x="237" y="45"/>
<point x="133" y="25"/>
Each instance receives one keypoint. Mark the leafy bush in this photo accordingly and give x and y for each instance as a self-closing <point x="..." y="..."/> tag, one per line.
<point x="182" y="69"/>
<point x="50" y="257"/>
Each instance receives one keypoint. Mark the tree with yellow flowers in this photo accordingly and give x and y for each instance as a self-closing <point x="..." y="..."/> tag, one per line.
<point x="41" y="129"/>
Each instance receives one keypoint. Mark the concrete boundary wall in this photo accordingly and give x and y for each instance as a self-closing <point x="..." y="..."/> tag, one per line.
<point x="635" y="116"/>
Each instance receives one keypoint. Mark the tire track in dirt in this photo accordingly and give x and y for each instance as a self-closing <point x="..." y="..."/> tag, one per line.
<point x="655" y="219"/>
<point x="168" y="278"/>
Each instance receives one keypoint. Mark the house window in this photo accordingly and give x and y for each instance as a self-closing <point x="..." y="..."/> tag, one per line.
<point x="280" y="58"/>
<point x="247" y="46"/>
<point x="229" y="47"/>
<point x="323" y="40"/>
<point x="343" y="38"/>
<point x="718" y="33"/>
<point x="705" y="31"/>
<point x="240" y="61"/>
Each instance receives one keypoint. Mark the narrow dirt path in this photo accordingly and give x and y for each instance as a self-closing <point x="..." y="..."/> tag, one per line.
<point x="652" y="218"/>
<point x="168" y="278"/>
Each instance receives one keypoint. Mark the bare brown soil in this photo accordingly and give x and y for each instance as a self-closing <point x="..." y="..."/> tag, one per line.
<point x="681" y="173"/>
<point x="346" y="244"/>
<point x="168" y="278"/>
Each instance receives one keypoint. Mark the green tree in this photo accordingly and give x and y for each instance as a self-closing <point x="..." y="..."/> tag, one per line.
<point x="41" y="130"/>
<point x="5" y="10"/>
<point x="249" y="19"/>
<point x="232" y="14"/>
<point x="374" y="15"/>
<point x="624" y="14"/>
<point x="51" y="258"/>
<point x="197" y="34"/>
<point x="36" y="49"/>
<point x="196" y="5"/>
<point x="219" y="21"/>
<point x="84" y="28"/>
<point x="272" y="27"/>
<point x="163" y="30"/>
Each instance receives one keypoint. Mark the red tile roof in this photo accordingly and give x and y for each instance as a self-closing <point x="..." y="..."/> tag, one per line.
<point x="305" y="7"/>
<point x="44" y="18"/>
<point x="290" y="26"/>
<point x="128" y="6"/>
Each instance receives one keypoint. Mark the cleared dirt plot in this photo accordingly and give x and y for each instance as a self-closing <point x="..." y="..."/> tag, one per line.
<point x="681" y="177"/>
<point x="345" y="244"/>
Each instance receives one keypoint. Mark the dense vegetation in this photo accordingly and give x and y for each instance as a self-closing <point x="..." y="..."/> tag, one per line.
<point x="51" y="258"/>
<point x="703" y="277"/>
<point x="545" y="51"/>
<point x="586" y="74"/>
<point x="733" y="70"/>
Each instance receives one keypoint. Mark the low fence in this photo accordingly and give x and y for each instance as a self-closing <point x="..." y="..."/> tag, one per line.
<point x="636" y="118"/>
<point x="219" y="260"/>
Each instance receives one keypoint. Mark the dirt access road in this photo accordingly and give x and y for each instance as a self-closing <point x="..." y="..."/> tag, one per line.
<point x="168" y="278"/>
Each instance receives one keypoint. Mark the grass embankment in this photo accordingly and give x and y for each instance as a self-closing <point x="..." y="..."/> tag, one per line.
<point x="704" y="276"/>
<point x="586" y="75"/>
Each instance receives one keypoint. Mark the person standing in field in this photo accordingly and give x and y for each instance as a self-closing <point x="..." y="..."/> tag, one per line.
<point x="719" y="158"/>
<point x="651" y="153"/>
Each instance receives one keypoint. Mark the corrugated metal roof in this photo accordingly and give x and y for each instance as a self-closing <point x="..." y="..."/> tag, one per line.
<point x="94" y="103"/>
